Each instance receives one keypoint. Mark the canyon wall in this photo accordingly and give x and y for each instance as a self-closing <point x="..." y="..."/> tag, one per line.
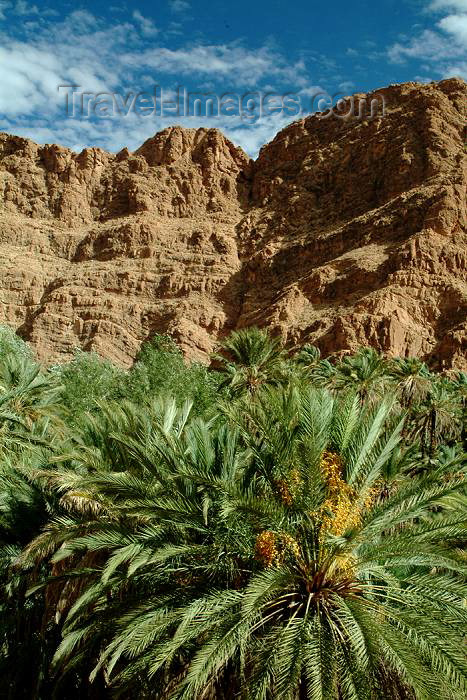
<point x="342" y="233"/>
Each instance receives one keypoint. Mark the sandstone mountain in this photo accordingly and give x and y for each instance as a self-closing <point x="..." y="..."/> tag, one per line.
<point x="343" y="232"/>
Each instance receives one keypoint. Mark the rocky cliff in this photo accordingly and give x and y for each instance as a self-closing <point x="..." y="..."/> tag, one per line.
<point x="343" y="232"/>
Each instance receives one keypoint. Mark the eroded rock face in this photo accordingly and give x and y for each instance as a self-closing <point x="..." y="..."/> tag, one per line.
<point x="342" y="233"/>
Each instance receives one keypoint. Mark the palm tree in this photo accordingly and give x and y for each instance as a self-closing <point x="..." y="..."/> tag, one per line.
<point x="24" y="509"/>
<point x="460" y="386"/>
<point x="308" y="358"/>
<point x="365" y="372"/>
<point x="460" y="390"/>
<point x="413" y="379"/>
<point x="324" y="374"/>
<point x="29" y="400"/>
<point x="31" y="426"/>
<point x="264" y="557"/>
<point x="106" y="505"/>
<point x="438" y="417"/>
<point x="251" y="360"/>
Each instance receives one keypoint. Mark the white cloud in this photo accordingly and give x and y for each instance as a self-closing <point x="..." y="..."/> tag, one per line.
<point x="456" y="5"/>
<point x="444" y="47"/>
<point x="146" y="25"/>
<point x="84" y="51"/>
<point x="74" y="51"/>
<point x="4" y="7"/>
<point x="236" y="63"/>
<point x="457" y="69"/>
<point x="456" y="26"/>
<point x="347" y="86"/>
<point x="179" y="5"/>
<point x="23" y="8"/>
<point x="427" y="45"/>
<point x="80" y="21"/>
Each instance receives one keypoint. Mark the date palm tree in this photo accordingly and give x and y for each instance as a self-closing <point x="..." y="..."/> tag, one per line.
<point x="29" y="401"/>
<point x="460" y="390"/>
<point x="366" y="372"/>
<point x="438" y="416"/>
<point x="251" y="359"/>
<point x="308" y="358"/>
<point x="413" y="379"/>
<point x="261" y="556"/>
<point x="24" y="510"/>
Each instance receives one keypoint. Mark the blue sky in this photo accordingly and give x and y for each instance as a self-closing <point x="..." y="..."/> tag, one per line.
<point x="276" y="47"/>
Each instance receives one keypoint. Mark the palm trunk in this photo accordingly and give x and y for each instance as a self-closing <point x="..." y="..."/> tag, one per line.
<point x="302" y="689"/>
<point x="432" y="432"/>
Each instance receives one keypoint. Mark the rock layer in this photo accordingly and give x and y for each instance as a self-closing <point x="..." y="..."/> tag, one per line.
<point x="343" y="232"/>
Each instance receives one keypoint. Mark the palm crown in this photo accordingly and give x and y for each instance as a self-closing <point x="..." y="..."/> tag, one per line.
<point x="251" y="360"/>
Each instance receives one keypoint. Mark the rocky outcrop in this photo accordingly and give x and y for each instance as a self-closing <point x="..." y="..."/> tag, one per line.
<point x="343" y="232"/>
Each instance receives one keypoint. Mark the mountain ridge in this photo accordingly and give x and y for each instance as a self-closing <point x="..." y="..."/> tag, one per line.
<point x="341" y="233"/>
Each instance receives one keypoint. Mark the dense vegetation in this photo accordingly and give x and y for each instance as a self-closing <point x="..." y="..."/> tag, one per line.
<point x="280" y="527"/>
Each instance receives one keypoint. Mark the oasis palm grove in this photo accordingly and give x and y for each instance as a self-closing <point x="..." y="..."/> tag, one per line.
<point x="278" y="526"/>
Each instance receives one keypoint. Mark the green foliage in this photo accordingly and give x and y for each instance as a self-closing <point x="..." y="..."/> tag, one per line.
<point x="160" y="369"/>
<point x="12" y="345"/>
<point x="88" y="379"/>
<point x="289" y="527"/>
